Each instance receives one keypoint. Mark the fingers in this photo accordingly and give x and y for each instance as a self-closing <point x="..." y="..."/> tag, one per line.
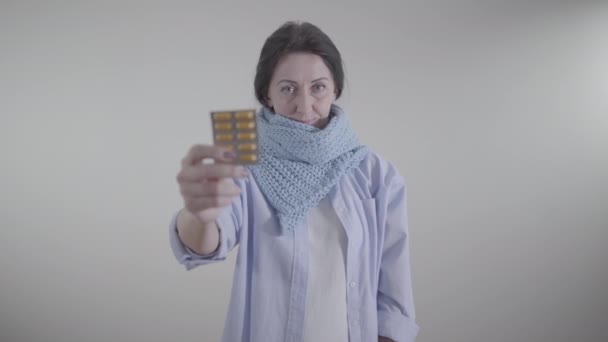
<point x="208" y="215"/>
<point x="213" y="188"/>
<point x="207" y="187"/>
<point x="199" y="196"/>
<point x="199" y="152"/>
<point x="216" y="171"/>
<point x="196" y="204"/>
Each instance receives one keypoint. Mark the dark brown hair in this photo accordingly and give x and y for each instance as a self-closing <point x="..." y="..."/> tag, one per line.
<point x="296" y="37"/>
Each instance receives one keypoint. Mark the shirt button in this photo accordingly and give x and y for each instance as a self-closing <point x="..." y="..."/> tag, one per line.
<point x="353" y="284"/>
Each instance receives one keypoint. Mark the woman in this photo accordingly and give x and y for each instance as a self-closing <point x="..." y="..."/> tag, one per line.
<point x="321" y="221"/>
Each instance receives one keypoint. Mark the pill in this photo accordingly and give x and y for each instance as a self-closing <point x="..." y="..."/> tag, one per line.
<point x="222" y="116"/>
<point x="228" y="147"/>
<point x="245" y="125"/>
<point x="223" y="126"/>
<point x="224" y="137"/>
<point x="251" y="158"/>
<point x="246" y="136"/>
<point x="247" y="147"/>
<point x="248" y="115"/>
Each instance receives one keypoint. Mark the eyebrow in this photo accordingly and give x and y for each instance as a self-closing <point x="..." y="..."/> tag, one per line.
<point x="294" y="82"/>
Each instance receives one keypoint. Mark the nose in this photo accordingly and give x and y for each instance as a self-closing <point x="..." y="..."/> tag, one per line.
<point x="303" y="104"/>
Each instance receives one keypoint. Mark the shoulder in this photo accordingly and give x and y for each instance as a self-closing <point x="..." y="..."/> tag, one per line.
<point x="378" y="172"/>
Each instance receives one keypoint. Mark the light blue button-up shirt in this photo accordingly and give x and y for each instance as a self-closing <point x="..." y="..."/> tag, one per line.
<point x="269" y="286"/>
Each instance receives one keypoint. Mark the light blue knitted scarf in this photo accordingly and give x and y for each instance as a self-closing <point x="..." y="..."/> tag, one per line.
<point x="299" y="163"/>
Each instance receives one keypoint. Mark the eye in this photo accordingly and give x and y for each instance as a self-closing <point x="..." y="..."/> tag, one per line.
<point x="288" y="89"/>
<point x="319" y="87"/>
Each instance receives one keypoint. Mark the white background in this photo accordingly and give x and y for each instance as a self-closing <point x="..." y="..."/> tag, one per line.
<point x="495" y="112"/>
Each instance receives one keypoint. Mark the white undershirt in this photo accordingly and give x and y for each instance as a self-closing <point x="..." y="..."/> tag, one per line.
<point x="325" y="318"/>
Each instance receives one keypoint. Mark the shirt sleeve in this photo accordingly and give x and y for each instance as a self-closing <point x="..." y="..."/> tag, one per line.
<point x="230" y="222"/>
<point x="396" y="312"/>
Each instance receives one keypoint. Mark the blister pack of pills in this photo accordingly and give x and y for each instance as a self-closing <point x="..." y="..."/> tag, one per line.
<point x="237" y="131"/>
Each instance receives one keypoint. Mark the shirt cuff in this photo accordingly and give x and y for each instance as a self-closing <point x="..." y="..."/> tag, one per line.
<point x="188" y="257"/>
<point x="397" y="327"/>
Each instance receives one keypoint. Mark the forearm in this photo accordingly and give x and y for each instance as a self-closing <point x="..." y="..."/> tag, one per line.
<point x="201" y="238"/>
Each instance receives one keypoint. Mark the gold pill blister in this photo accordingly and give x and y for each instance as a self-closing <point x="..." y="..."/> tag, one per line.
<point x="246" y="136"/>
<point x="237" y="131"/>
<point x="247" y="147"/>
<point x="244" y="115"/>
<point x="245" y="125"/>
<point x="223" y="116"/>
<point x="223" y="126"/>
<point x="250" y="158"/>
<point x="224" y="137"/>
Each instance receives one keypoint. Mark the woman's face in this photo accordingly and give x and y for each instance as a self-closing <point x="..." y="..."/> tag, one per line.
<point x="302" y="89"/>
